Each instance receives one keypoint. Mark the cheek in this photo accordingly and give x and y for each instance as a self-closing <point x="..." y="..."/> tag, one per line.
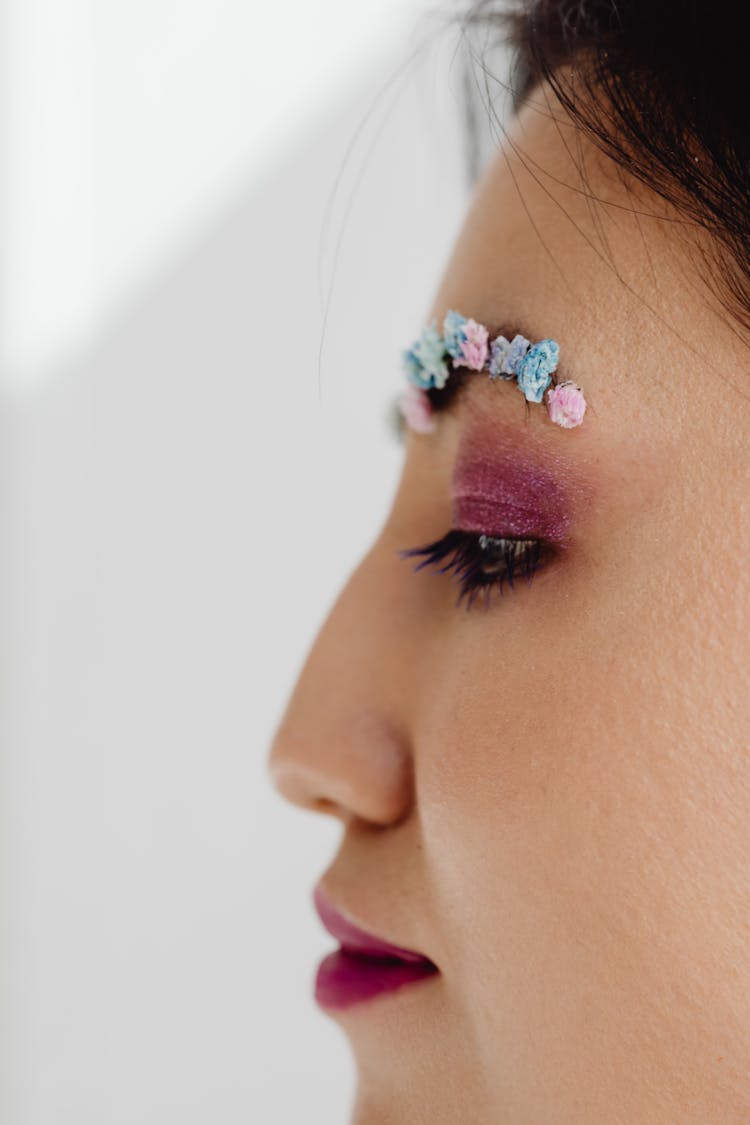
<point x="582" y="776"/>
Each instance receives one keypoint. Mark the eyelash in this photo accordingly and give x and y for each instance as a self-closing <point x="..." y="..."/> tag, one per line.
<point x="468" y="553"/>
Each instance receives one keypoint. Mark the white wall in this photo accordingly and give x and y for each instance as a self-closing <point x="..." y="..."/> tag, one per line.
<point x="176" y="522"/>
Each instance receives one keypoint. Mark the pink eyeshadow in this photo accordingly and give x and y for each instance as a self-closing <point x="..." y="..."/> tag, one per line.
<point x="506" y="492"/>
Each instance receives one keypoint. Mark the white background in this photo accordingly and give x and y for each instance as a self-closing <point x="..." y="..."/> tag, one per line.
<point x="181" y="501"/>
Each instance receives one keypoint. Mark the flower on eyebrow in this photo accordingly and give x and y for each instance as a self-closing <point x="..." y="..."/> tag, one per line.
<point x="566" y="404"/>
<point x="424" y="362"/>
<point x="506" y="356"/>
<point x="417" y="409"/>
<point x="499" y="358"/>
<point x="474" y="347"/>
<point x="466" y="341"/>
<point x="535" y="369"/>
<point x="453" y="332"/>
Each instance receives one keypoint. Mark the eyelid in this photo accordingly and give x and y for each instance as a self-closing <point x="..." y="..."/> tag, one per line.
<point x="533" y="519"/>
<point x="502" y="486"/>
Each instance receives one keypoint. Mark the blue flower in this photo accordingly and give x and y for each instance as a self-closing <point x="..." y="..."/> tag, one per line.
<point x="517" y="351"/>
<point x="535" y="369"/>
<point x="507" y="355"/>
<point x="413" y="369"/>
<point x="498" y="356"/>
<point x="453" y="331"/>
<point x="424" y="362"/>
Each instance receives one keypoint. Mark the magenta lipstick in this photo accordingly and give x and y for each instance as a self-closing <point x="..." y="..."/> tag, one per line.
<point x="364" y="966"/>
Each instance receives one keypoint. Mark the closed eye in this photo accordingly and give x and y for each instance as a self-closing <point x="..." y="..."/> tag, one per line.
<point x="479" y="562"/>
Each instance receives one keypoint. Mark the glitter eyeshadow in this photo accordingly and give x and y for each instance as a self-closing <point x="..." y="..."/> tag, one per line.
<point x="508" y="492"/>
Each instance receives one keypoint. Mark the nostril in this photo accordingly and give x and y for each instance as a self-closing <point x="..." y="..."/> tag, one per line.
<point x="301" y="786"/>
<point x="324" y="805"/>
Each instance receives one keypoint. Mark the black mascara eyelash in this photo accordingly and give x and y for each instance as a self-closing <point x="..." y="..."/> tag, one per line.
<point x="481" y="561"/>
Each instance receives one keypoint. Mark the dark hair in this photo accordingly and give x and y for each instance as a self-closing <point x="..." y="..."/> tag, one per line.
<point x="663" y="88"/>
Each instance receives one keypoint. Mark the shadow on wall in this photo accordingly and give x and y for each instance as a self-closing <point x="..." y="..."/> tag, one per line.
<point x="182" y="506"/>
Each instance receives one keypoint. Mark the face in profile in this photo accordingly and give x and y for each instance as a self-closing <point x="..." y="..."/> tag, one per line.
<point x="546" y="792"/>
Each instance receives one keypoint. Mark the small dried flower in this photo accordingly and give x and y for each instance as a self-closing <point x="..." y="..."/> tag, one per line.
<point x="453" y="333"/>
<point x="424" y="362"/>
<point x="566" y="404"/>
<point x="535" y="370"/>
<point x="474" y="348"/>
<point x="417" y="409"/>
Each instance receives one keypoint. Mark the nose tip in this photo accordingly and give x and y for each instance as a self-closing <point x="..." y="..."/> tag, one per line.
<point x="301" y="789"/>
<point x="358" y="769"/>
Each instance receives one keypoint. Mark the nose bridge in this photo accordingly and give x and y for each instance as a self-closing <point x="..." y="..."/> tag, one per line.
<point x="342" y="744"/>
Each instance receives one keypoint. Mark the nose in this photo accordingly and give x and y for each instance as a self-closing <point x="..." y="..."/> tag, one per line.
<point x="341" y="746"/>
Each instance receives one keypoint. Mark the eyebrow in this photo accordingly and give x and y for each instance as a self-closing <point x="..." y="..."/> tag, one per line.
<point x="445" y="399"/>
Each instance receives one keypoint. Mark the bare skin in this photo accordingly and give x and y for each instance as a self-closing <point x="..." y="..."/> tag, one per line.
<point x="551" y="797"/>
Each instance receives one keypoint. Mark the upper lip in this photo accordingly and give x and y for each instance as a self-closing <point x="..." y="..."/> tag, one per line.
<point x="353" y="938"/>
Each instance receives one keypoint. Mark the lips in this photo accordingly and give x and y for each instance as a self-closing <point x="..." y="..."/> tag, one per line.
<point x="358" y="941"/>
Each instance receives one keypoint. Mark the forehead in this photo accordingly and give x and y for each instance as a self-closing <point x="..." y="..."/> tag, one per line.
<point x="556" y="239"/>
<point x="557" y="236"/>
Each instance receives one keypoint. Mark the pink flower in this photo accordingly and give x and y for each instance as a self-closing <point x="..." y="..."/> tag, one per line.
<point x="417" y="409"/>
<point x="566" y="404"/>
<point x="473" y="346"/>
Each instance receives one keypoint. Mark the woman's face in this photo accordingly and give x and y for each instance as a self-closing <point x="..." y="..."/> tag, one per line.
<point x="550" y="796"/>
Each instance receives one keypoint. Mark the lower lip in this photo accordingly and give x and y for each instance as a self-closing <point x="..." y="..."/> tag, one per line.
<point x="344" y="979"/>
